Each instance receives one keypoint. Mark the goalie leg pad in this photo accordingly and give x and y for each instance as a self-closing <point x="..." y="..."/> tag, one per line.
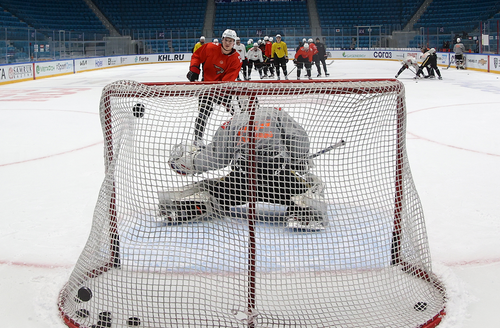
<point x="305" y="218"/>
<point x="309" y="212"/>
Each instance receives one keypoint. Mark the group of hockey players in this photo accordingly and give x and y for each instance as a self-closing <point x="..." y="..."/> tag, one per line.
<point x="270" y="58"/>
<point x="429" y="62"/>
<point x="264" y="56"/>
<point x="308" y="53"/>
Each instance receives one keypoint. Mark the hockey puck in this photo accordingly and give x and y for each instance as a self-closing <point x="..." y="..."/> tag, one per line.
<point x="138" y="110"/>
<point x="420" y="306"/>
<point x="82" y="313"/>
<point x="134" y="321"/>
<point x="84" y="294"/>
<point x="105" y="316"/>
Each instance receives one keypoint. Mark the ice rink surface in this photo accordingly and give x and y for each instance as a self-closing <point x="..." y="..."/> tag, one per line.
<point x="52" y="166"/>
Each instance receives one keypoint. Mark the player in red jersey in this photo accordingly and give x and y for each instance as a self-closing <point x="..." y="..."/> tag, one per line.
<point x="314" y="49"/>
<point x="220" y="62"/>
<point x="304" y="57"/>
<point x="267" y="53"/>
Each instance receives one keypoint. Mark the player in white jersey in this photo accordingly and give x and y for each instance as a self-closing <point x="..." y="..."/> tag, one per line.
<point x="408" y="63"/>
<point x="255" y="58"/>
<point x="241" y="49"/>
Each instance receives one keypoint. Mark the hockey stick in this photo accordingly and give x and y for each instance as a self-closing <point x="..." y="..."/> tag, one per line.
<point x="449" y="63"/>
<point x="293" y="69"/>
<point x="414" y="72"/>
<point x="327" y="149"/>
<point x="330" y="63"/>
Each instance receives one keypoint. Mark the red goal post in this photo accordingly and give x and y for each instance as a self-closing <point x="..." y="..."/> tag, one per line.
<point x="364" y="255"/>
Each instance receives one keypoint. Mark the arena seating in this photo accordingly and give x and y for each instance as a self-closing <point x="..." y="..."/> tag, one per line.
<point x="154" y="15"/>
<point x="71" y="15"/>
<point x="177" y="25"/>
<point x="340" y="17"/>
<point x="450" y="16"/>
<point x="361" y="13"/>
<point x="270" y="18"/>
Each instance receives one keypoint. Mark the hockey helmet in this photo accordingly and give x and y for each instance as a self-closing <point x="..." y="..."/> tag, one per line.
<point x="458" y="40"/>
<point x="278" y="36"/>
<point x="266" y="38"/>
<point x="215" y="41"/>
<point x="229" y="34"/>
<point x="310" y="40"/>
<point x="432" y="51"/>
<point x="271" y="38"/>
<point x="306" y="46"/>
<point x="202" y="38"/>
<point x="237" y="38"/>
<point x="255" y="45"/>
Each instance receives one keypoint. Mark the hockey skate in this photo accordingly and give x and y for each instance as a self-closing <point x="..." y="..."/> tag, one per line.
<point x="182" y="211"/>
<point x="305" y="219"/>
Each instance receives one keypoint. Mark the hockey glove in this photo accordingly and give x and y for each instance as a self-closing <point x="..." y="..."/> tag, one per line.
<point x="182" y="159"/>
<point x="295" y="62"/>
<point x="192" y="76"/>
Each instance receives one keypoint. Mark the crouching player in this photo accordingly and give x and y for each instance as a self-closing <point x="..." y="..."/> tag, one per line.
<point x="408" y="63"/>
<point x="267" y="151"/>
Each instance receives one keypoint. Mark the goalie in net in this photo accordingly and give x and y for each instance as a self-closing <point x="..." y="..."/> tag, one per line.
<point x="278" y="160"/>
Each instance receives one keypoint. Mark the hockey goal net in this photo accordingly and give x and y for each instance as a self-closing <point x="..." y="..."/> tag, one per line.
<point x="366" y="263"/>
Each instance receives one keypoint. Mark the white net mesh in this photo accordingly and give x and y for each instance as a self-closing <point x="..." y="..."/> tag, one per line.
<point x="255" y="205"/>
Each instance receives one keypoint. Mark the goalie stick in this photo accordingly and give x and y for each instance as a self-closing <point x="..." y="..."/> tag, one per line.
<point x="327" y="149"/>
<point x="449" y="64"/>
<point x="185" y="199"/>
<point x="196" y="187"/>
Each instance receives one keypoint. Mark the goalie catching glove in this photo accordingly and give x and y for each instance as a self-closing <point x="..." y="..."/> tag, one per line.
<point x="182" y="159"/>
